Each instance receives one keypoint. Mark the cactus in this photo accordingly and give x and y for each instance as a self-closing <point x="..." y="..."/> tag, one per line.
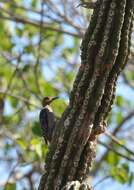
<point x="104" y="53"/>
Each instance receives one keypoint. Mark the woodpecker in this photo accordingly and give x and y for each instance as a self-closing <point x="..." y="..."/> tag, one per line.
<point x="47" y="119"/>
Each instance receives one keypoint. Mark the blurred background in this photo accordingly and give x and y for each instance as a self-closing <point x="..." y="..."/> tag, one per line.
<point x="39" y="56"/>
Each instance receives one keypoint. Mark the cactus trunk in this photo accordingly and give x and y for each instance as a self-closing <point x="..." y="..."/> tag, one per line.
<point x="104" y="53"/>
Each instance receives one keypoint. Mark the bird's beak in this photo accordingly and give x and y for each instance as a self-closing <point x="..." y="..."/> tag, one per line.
<point x="54" y="98"/>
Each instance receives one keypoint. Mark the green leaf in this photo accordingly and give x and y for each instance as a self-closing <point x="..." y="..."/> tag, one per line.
<point x="10" y="186"/>
<point x="112" y="158"/>
<point x="119" y="101"/>
<point x="5" y="43"/>
<point x="125" y="167"/>
<point x="36" y="129"/>
<point x="121" y="173"/>
<point x="76" y="42"/>
<point x="67" y="52"/>
<point x="29" y="48"/>
<point x="34" y="2"/>
<point x="59" y="106"/>
<point x="35" y="141"/>
<point x="14" y="102"/>
<point x="119" y="117"/>
<point x="48" y="89"/>
<point x="23" y="144"/>
<point x="26" y="68"/>
<point x="36" y="145"/>
<point x="38" y="149"/>
<point x="30" y="156"/>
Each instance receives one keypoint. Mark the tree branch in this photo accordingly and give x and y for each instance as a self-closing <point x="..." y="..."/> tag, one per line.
<point x="113" y="150"/>
<point x="46" y="26"/>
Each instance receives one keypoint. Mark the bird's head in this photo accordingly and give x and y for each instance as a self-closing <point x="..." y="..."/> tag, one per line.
<point x="48" y="100"/>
